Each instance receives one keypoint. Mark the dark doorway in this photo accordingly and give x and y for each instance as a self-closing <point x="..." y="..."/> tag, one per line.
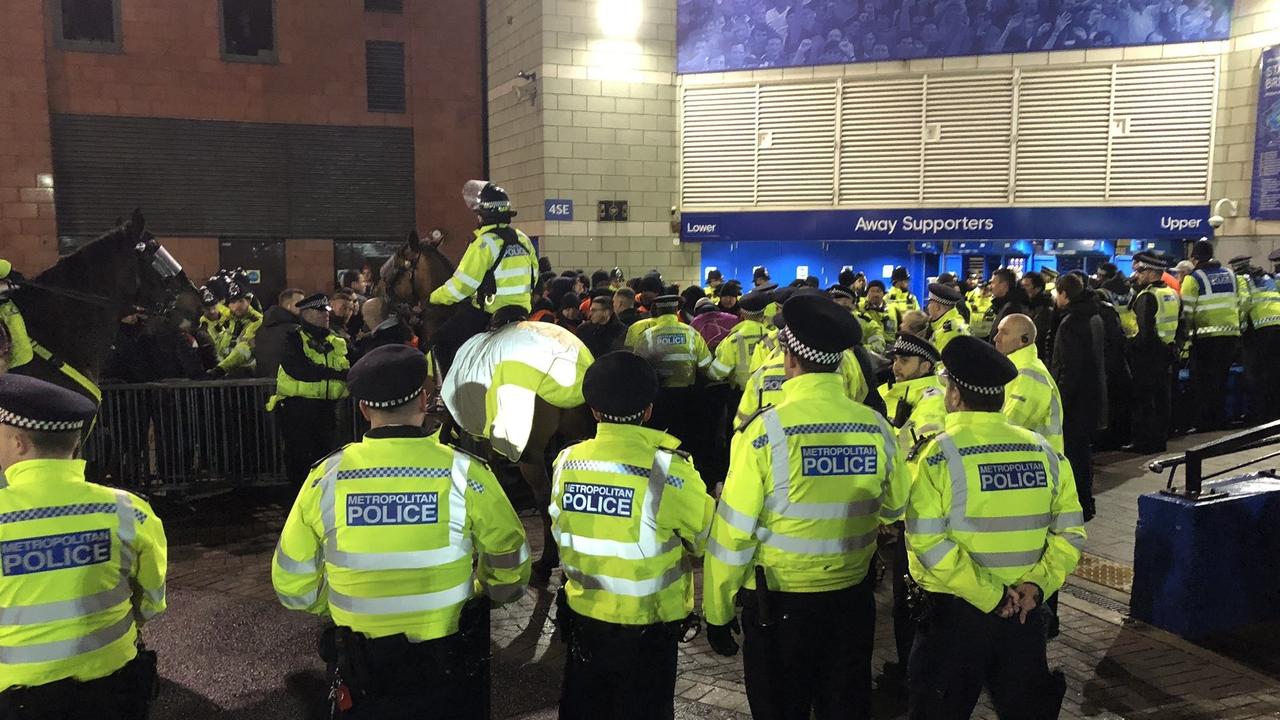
<point x="359" y="255"/>
<point x="262" y="259"/>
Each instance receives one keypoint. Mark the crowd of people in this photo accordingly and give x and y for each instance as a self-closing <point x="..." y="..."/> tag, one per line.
<point x="741" y="34"/>
<point x="780" y="434"/>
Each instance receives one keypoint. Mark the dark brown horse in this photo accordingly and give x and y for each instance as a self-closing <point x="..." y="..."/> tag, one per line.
<point x="408" y="279"/>
<point x="72" y="311"/>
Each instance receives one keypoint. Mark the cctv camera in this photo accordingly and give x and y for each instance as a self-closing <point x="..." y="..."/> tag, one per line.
<point x="1216" y="221"/>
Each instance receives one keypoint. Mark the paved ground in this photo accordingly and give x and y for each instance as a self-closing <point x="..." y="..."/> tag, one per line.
<point x="228" y="650"/>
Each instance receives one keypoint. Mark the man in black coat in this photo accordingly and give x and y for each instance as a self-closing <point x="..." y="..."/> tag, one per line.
<point x="1007" y="298"/>
<point x="279" y="320"/>
<point x="1078" y="367"/>
<point x="1041" y="304"/>
<point x="602" y="332"/>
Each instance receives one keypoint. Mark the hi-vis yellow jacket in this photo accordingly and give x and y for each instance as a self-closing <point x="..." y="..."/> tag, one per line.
<point x="992" y="505"/>
<point x="83" y="567"/>
<point x="394" y="533"/>
<point x="810" y="482"/>
<point x="514" y="276"/>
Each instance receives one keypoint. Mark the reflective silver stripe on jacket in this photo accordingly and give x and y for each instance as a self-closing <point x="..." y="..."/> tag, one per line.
<point x="64" y="649"/>
<point x="624" y="586"/>
<point x="1055" y="404"/>
<point x="396" y="604"/>
<point x="299" y="602"/>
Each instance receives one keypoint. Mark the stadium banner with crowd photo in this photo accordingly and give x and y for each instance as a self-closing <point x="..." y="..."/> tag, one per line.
<point x="722" y="35"/>
<point x="1000" y="223"/>
<point x="1264" y="204"/>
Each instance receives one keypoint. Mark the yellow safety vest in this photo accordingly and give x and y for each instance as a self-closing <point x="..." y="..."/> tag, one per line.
<point x="1264" y="302"/>
<point x="810" y="481"/>
<point x="733" y="354"/>
<point x="83" y="566"/>
<point x="1211" y="304"/>
<point x="394" y="533"/>
<point x="514" y="276"/>
<point x="629" y="512"/>
<point x="764" y="387"/>
<point x="948" y="327"/>
<point x="676" y="351"/>
<point x="1168" y="309"/>
<point x="21" y="351"/>
<point x="926" y="399"/>
<point x="992" y="506"/>
<point x="1032" y="400"/>
<point x="334" y="359"/>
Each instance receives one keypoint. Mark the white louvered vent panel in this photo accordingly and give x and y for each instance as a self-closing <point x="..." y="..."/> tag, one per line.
<point x="718" y="146"/>
<point x="970" y="161"/>
<point x="1169" y="111"/>
<point x="1062" y="134"/>
<point x="797" y="160"/>
<point x="880" y="141"/>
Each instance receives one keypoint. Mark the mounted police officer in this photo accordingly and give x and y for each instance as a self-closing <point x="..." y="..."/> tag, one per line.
<point x="404" y="542"/>
<point x="630" y="512"/>
<point x="83" y="568"/>
<point x="1152" y="353"/>
<point x="796" y="530"/>
<point x="498" y="269"/>
<point x="312" y="378"/>
<point x="993" y="527"/>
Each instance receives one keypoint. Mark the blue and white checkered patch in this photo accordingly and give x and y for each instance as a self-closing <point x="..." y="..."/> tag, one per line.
<point x="45" y="513"/>
<point x="819" y="429"/>
<point x="393" y="472"/>
<point x="475" y="485"/>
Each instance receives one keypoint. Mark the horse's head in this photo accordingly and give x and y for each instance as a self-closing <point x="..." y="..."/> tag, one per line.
<point x="417" y="268"/>
<point x="161" y="284"/>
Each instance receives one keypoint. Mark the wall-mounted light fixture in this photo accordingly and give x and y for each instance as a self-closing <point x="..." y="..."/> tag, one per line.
<point x="619" y="18"/>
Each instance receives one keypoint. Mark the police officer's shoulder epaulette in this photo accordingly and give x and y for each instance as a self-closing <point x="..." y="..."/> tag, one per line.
<point x="469" y="454"/>
<point x="751" y="418"/>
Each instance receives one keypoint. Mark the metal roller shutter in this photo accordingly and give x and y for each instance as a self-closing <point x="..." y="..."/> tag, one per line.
<point x="209" y="178"/>
<point x="796" y="140"/>
<point x="1162" y="131"/>
<point x="1063" y="134"/>
<point x="968" y="124"/>
<point x="880" y="142"/>
<point x="718" y="148"/>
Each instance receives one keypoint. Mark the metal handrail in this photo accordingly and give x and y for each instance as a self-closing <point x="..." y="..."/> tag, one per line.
<point x="1193" y="458"/>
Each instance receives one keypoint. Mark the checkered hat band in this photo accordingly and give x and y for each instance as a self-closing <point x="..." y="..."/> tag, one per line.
<point x="975" y="388"/>
<point x="1139" y="265"/>
<point x="841" y="292"/>
<point x="816" y="356"/>
<point x="380" y="404"/>
<point x="623" y="419"/>
<point x="907" y="346"/>
<point x="8" y="418"/>
<point x="943" y="301"/>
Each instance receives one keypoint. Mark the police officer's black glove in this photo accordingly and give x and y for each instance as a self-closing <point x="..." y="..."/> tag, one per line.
<point x="721" y="637"/>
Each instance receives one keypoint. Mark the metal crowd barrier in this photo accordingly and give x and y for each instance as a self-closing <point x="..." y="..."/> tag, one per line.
<point x="186" y="437"/>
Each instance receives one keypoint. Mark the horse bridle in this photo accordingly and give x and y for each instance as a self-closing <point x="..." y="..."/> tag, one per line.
<point x="148" y="248"/>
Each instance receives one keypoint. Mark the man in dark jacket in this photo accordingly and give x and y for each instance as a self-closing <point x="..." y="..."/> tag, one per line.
<point x="1041" y="304"/>
<point x="1119" y="381"/>
<point x="603" y="332"/>
<point x="624" y="306"/>
<point x="277" y="323"/>
<point x="1007" y="298"/>
<point x="1077" y="367"/>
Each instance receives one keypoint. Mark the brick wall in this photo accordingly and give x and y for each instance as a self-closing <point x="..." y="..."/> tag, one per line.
<point x="309" y="265"/>
<point x="606" y="110"/>
<point x="1254" y="25"/>
<point x="171" y="66"/>
<point x="27" y="225"/>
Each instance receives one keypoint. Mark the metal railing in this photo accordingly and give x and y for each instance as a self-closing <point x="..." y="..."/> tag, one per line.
<point x="186" y="437"/>
<point x="1193" y="459"/>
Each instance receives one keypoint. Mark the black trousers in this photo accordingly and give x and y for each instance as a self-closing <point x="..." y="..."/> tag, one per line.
<point x="676" y="411"/>
<point x="442" y="679"/>
<point x="466" y="322"/>
<point x="308" y="428"/>
<point x="123" y="695"/>
<point x="1075" y="445"/>
<point x="622" y="672"/>
<point x="815" y="658"/>
<point x="1261" y="352"/>
<point x="960" y="649"/>
<point x="1210" y="362"/>
<point x="904" y="628"/>
<point x="1149" y="430"/>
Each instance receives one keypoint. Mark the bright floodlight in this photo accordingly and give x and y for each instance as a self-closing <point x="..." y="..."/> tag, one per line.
<point x="619" y="18"/>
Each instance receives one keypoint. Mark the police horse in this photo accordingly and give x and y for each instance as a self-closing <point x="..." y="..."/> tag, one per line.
<point x="71" y="312"/>
<point x="407" y="280"/>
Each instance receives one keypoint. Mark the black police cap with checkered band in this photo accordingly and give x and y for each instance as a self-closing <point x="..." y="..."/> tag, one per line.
<point x="976" y="366"/>
<point x="32" y="404"/>
<point x="817" y="329"/>
<point x="907" y="345"/>
<point x="620" y="386"/>
<point x="388" y="377"/>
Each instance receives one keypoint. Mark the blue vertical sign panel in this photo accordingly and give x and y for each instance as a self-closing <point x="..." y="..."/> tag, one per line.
<point x="558" y="210"/>
<point x="1264" y="202"/>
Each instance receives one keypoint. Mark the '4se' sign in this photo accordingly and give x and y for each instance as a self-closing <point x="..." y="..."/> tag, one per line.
<point x="558" y="210"/>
